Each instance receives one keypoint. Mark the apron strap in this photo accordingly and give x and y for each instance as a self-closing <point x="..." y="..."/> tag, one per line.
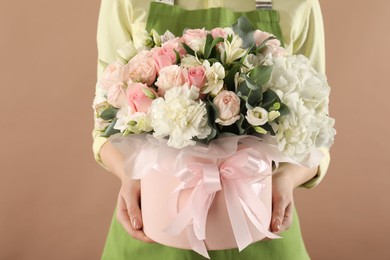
<point x="264" y="4"/>
<point x="168" y="2"/>
<point x="260" y="4"/>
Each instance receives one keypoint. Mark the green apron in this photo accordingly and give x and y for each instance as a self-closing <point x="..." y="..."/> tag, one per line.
<point x="119" y="244"/>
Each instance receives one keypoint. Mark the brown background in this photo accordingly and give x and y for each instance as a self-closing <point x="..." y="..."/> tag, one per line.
<point x="56" y="202"/>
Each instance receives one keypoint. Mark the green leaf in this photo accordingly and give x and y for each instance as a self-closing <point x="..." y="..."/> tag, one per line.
<point x="110" y="129"/>
<point x="178" y="60"/>
<point x="109" y="113"/>
<point x="188" y="49"/>
<point x="245" y="29"/>
<point x="212" y="111"/>
<point x="210" y="45"/>
<point x="207" y="46"/>
<point x="229" y="79"/>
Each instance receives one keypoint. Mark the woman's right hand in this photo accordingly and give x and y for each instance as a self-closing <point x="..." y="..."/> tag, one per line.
<point x="128" y="209"/>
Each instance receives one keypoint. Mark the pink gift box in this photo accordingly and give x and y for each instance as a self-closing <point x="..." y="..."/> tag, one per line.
<point x="156" y="189"/>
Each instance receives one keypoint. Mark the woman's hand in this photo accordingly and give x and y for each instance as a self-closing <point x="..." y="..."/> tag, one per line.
<point x="128" y="209"/>
<point x="286" y="178"/>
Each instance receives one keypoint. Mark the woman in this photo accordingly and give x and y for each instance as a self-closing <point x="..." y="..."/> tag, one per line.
<point x="298" y="23"/>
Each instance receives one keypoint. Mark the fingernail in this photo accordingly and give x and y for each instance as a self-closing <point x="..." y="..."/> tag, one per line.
<point x="277" y="224"/>
<point x="136" y="223"/>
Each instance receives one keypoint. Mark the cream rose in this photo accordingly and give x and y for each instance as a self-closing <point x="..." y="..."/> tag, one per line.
<point x="114" y="73"/>
<point x="141" y="68"/>
<point x="195" y="38"/>
<point x="170" y="77"/>
<point x="228" y="105"/>
<point x="116" y="95"/>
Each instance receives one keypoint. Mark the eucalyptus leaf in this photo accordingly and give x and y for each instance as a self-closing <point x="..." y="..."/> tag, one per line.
<point x="251" y="84"/>
<point x="243" y="90"/>
<point x="109" y="113"/>
<point x="255" y="97"/>
<point x="263" y="45"/>
<point x="239" y="122"/>
<point x="284" y="110"/>
<point x="269" y="98"/>
<point x="245" y="29"/>
<point x="110" y="129"/>
<point x="261" y="74"/>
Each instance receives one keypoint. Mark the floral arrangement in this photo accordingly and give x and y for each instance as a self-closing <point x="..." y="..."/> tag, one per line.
<point x="205" y="83"/>
<point x="233" y="89"/>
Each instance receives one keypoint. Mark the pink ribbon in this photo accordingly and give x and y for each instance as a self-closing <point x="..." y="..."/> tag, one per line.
<point x="204" y="180"/>
<point x="239" y="174"/>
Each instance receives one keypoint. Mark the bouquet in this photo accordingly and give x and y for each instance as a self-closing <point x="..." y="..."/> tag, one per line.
<point x="234" y="84"/>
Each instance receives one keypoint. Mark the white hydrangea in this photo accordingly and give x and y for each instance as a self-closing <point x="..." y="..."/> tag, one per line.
<point x="181" y="116"/>
<point x="306" y="93"/>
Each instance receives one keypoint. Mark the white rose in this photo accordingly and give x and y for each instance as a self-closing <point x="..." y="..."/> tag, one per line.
<point x="215" y="75"/>
<point x="180" y="117"/>
<point x="257" y="116"/>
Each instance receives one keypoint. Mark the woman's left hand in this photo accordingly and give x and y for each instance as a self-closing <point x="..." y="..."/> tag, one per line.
<point x="286" y="178"/>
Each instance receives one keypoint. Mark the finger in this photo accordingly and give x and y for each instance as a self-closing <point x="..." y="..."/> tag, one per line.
<point x="133" y="209"/>
<point x="278" y="210"/>
<point x="124" y="219"/>
<point x="288" y="217"/>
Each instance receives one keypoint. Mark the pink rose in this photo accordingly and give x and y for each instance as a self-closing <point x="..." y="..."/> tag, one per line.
<point x="162" y="58"/>
<point x="171" y="76"/>
<point x="218" y="32"/>
<point x="141" y="68"/>
<point x="195" y="38"/>
<point x="170" y="46"/>
<point x="228" y="104"/>
<point x="197" y="76"/>
<point x="114" y="73"/>
<point x="136" y="97"/>
<point x="116" y="95"/>
<point x="273" y="45"/>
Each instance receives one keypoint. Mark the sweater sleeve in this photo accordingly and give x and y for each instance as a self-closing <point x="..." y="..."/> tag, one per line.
<point x="113" y="31"/>
<point x="311" y="43"/>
